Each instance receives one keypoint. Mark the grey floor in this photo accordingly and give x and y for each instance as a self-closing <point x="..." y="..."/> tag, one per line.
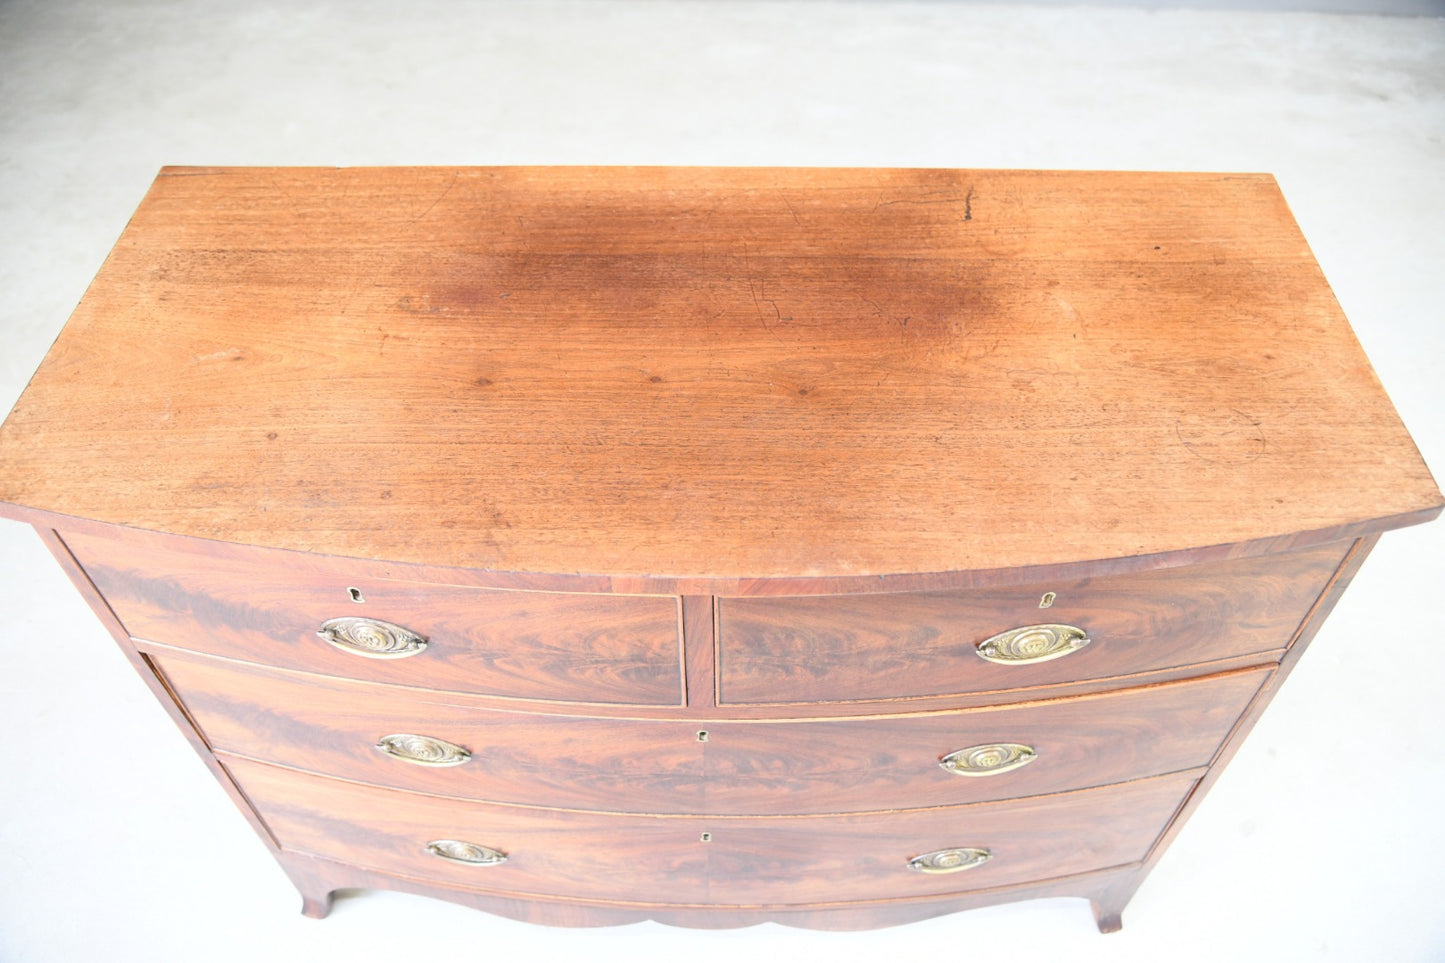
<point x="1323" y="841"/>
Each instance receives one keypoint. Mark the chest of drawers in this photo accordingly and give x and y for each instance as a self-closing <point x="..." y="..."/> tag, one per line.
<point x="836" y="547"/>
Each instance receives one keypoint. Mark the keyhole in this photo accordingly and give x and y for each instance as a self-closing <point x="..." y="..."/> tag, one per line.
<point x="706" y="837"/>
<point x="1047" y="600"/>
<point x="355" y="594"/>
<point x="702" y="735"/>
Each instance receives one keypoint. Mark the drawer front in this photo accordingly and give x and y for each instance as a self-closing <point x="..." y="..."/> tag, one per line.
<point x="873" y="647"/>
<point x="719" y="860"/>
<point x="887" y="763"/>
<point x="700" y="767"/>
<point x="268" y="607"/>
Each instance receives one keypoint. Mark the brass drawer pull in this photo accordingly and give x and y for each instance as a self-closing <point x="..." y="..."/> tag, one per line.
<point x="372" y="638"/>
<point x="989" y="760"/>
<point x="470" y="853"/>
<point x="949" y="860"/>
<point x="1032" y="643"/>
<point x="423" y="750"/>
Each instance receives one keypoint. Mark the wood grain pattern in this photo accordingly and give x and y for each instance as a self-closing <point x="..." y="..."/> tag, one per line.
<point x="711" y="373"/>
<point x="748" y="860"/>
<point x="153" y="680"/>
<point x="321" y="879"/>
<point x="655" y="584"/>
<point x="331" y="727"/>
<point x="703" y="485"/>
<point x="831" y="649"/>
<point x="534" y="645"/>
<point x="1110" y="902"/>
<point x="698" y="632"/>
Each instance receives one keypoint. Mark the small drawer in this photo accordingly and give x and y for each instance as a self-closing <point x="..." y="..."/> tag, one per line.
<point x="674" y="766"/>
<point x="315" y="614"/>
<point x="875" y="647"/>
<point x="719" y="860"/>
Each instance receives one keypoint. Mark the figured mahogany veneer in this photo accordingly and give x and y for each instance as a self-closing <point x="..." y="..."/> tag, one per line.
<point x="828" y="649"/>
<point x="682" y="504"/>
<point x="850" y="764"/>
<point x="537" y="645"/>
<point x="745" y="861"/>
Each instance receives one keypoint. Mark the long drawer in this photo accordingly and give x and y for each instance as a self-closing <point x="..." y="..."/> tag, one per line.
<point x="427" y="742"/>
<point x="314" y="614"/>
<point x="718" y="860"/>
<point x="817" y="649"/>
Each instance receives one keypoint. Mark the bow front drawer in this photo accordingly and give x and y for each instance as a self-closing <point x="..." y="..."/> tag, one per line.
<point x="888" y="646"/>
<point x="690" y="859"/>
<point x="316" y="614"/>
<point x="415" y="740"/>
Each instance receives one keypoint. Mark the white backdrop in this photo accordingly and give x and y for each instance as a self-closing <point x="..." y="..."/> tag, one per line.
<point x="1323" y="841"/>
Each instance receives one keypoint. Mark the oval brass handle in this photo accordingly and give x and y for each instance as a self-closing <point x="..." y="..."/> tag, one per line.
<point x="423" y="750"/>
<point x="950" y="860"/>
<point x="988" y="760"/>
<point x="472" y="854"/>
<point x="372" y="638"/>
<point x="1032" y="643"/>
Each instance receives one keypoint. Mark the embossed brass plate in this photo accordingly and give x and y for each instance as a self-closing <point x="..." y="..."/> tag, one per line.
<point x="372" y="638"/>
<point x="988" y="760"/>
<point x="472" y="854"/>
<point x="1032" y="643"/>
<point x="423" y="750"/>
<point x="950" y="860"/>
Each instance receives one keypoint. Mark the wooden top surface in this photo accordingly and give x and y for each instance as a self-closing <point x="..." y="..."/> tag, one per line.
<point x="712" y="373"/>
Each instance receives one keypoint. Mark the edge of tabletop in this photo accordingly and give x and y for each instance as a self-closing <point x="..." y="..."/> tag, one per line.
<point x="732" y="585"/>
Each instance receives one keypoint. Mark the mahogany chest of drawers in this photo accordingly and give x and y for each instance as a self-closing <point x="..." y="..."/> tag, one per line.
<point x="840" y="547"/>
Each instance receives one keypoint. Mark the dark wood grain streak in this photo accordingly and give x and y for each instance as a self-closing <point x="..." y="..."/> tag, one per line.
<point x="815" y="649"/>
<point x="748" y="861"/>
<point x="751" y="768"/>
<point x="535" y="645"/>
